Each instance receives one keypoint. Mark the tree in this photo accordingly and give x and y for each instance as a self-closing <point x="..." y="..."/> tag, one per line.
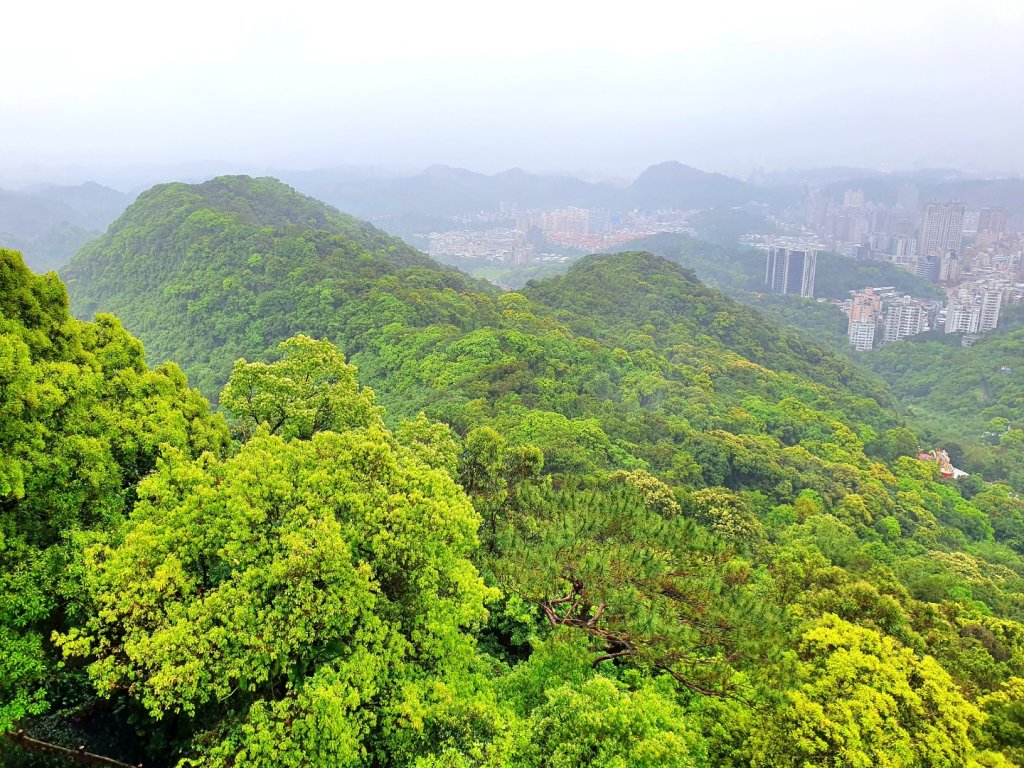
<point x="490" y="470"/>
<point x="649" y="591"/>
<point x="1004" y="726"/>
<point x="82" y="419"/>
<point x="310" y="389"/>
<point x="603" y="723"/>
<point x="863" y="700"/>
<point x="286" y="605"/>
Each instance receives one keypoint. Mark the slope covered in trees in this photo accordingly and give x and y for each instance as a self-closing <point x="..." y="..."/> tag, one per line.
<point x="616" y="519"/>
<point x="970" y="399"/>
<point x="211" y="272"/>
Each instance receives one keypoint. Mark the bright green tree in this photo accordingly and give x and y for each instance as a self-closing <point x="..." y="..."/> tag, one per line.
<point x="295" y="596"/>
<point x="310" y="389"/>
<point x="82" y="419"/>
<point x="864" y="701"/>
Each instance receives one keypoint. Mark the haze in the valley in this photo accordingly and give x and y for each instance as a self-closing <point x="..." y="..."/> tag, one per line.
<point x="128" y="93"/>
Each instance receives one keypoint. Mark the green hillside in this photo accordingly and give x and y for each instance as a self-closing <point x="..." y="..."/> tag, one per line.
<point x="969" y="399"/>
<point x="616" y="519"/>
<point x="211" y="272"/>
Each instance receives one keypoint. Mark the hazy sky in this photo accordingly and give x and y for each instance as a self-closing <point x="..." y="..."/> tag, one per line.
<point x="553" y="85"/>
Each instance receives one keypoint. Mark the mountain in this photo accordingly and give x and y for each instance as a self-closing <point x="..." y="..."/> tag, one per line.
<point x="442" y="191"/>
<point x="674" y="185"/>
<point x="639" y="292"/>
<point x="50" y="223"/>
<point x="211" y="272"/>
<point x="99" y="205"/>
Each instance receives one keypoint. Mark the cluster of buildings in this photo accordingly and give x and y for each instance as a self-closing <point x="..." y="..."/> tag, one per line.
<point x="507" y="245"/>
<point x="535" y="231"/>
<point x="881" y="315"/>
<point x="919" y="237"/>
<point x="974" y="255"/>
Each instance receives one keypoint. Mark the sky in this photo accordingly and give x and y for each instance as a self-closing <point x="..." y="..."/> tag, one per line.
<point x="558" y="85"/>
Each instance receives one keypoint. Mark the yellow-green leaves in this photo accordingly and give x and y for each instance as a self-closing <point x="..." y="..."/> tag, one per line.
<point x="864" y="701"/>
<point x="310" y="389"/>
<point x="290" y="589"/>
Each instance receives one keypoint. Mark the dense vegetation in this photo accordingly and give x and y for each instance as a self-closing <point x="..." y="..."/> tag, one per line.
<point x="82" y="421"/>
<point x="209" y="273"/>
<point x="617" y="519"/>
<point x="971" y="399"/>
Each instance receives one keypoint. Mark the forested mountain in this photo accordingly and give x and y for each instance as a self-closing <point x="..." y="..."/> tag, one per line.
<point x="204" y="279"/>
<point x="209" y="273"/>
<point x="616" y="519"/>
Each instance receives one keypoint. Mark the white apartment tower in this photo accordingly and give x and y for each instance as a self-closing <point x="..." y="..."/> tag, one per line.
<point x="974" y="310"/>
<point x="991" y="303"/>
<point x="962" y="315"/>
<point x="904" y="317"/>
<point x="942" y="226"/>
<point x="864" y="314"/>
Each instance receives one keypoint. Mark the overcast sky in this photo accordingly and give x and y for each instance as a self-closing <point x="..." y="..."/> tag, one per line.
<point x="552" y="85"/>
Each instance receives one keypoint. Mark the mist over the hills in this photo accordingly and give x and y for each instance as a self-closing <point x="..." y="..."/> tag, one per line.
<point x="110" y="89"/>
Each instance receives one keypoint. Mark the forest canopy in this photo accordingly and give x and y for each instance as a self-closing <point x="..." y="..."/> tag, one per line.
<point x="614" y="519"/>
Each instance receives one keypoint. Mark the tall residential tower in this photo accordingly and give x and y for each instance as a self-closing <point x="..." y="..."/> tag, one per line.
<point x="788" y="270"/>
<point x="942" y="227"/>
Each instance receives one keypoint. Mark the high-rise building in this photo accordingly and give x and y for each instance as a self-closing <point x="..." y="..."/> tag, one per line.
<point x="789" y="270"/>
<point x="942" y="227"/>
<point x="904" y="317"/>
<point x="865" y="312"/>
<point x="866" y="305"/>
<point x="949" y="267"/>
<point x="927" y="267"/>
<point x="991" y="303"/>
<point x="974" y="308"/>
<point x="992" y="220"/>
<point x="862" y="335"/>
<point x="853" y="198"/>
<point x="962" y="315"/>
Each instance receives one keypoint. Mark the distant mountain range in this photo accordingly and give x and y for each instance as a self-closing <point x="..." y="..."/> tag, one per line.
<point x="50" y="223"/>
<point x="444" y="191"/>
<point x="402" y="203"/>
